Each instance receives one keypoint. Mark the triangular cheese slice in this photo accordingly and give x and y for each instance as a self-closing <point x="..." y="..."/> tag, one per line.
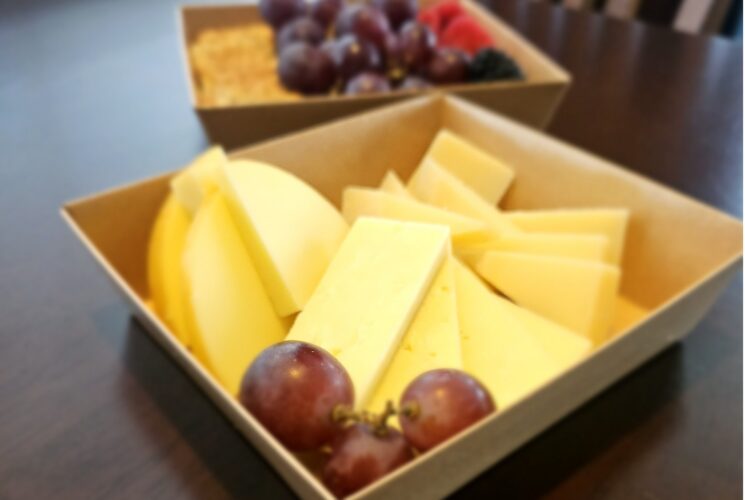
<point x="432" y="341"/>
<point x="359" y="202"/>
<point x="610" y="222"/>
<point x="232" y="318"/>
<point x="575" y="293"/>
<point x="593" y="247"/>
<point x="195" y="182"/>
<point x="393" y="184"/>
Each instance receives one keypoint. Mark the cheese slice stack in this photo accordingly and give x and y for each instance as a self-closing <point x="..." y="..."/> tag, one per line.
<point x="510" y="351"/>
<point x="291" y="231"/>
<point x="578" y="294"/>
<point x="432" y="341"/>
<point x="165" y="275"/>
<point x="369" y="295"/>
<point x="231" y="317"/>
<point x="610" y="222"/>
<point x="482" y="172"/>
<point x="359" y="202"/>
<point x="433" y="184"/>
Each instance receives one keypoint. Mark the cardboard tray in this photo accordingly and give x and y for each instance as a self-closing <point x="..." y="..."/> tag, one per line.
<point x="533" y="101"/>
<point x="680" y="255"/>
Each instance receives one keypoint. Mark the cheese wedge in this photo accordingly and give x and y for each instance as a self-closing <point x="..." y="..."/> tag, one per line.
<point x="628" y="313"/>
<point x="481" y="171"/>
<point x="577" y="294"/>
<point x="497" y="347"/>
<point x="434" y="185"/>
<point x="358" y="202"/>
<point x="165" y="276"/>
<point x="194" y="183"/>
<point x="432" y="341"/>
<point x="291" y="231"/>
<point x="392" y="184"/>
<point x="610" y="222"/>
<point x="232" y="318"/>
<point x="369" y="295"/>
<point x="593" y="247"/>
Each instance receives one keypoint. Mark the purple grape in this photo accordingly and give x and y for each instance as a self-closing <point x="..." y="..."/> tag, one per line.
<point x="447" y="65"/>
<point x="412" y="82"/>
<point x="302" y="29"/>
<point x="353" y="56"/>
<point x="278" y="12"/>
<point x="293" y="388"/>
<point x="367" y="83"/>
<point x="439" y="404"/>
<point x="306" y="69"/>
<point x="394" y="55"/>
<point x="345" y="19"/>
<point x="397" y="11"/>
<point x="417" y="45"/>
<point x="325" y="11"/>
<point x="371" y="25"/>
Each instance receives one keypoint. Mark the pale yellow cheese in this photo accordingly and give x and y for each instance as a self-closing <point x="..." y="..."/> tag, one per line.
<point x="628" y="313"/>
<point x="165" y="276"/>
<point x="593" y="247"/>
<point x="232" y="318"/>
<point x="434" y="185"/>
<point x="195" y="182"/>
<point x="431" y="342"/>
<point x="291" y="231"/>
<point x="393" y="184"/>
<point x="497" y="347"/>
<point x="369" y="295"/>
<point x="484" y="173"/>
<point x="359" y="202"/>
<point x="610" y="222"/>
<point x="577" y="294"/>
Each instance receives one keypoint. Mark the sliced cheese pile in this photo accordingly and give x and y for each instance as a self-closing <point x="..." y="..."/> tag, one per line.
<point x="244" y="254"/>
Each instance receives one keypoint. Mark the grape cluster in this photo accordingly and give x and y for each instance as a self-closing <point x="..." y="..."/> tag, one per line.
<point x="304" y="398"/>
<point x="373" y="48"/>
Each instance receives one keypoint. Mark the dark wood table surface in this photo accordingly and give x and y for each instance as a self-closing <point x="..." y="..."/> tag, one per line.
<point x="92" y="95"/>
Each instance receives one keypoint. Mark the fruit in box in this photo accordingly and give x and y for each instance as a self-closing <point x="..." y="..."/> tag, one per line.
<point x="387" y="300"/>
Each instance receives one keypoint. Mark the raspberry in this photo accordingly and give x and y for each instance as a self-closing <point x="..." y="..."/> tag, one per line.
<point x="466" y="33"/>
<point x="430" y="18"/>
<point x="439" y="16"/>
<point x="489" y="65"/>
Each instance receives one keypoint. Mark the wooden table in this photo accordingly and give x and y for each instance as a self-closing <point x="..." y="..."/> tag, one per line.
<point x="92" y="95"/>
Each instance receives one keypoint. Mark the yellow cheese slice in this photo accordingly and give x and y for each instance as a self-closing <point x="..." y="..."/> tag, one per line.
<point x="610" y="222"/>
<point x="359" y="202"/>
<point x="497" y="347"/>
<point x="198" y="180"/>
<point x="369" y="295"/>
<point x="431" y="342"/>
<point x="165" y="276"/>
<point x="432" y="184"/>
<point x="232" y="318"/>
<point x="628" y="313"/>
<point x="484" y="173"/>
<point x="392" y="184"/>
<point x="593" y="247"/>
<point x="578" y="294"/>
<point x="291" y="231"/>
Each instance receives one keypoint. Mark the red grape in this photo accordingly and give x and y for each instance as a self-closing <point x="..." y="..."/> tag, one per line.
<point x="306" y="69"/>
<point x="353" y="56"/>
<point x="447" y="65"/>
<point x="397" y="11"/>
<point x="278" y="12"/>
<point x="292" y="388"/>
<point x="360" y="455"/>
<point x="324" y="11"/>
<point x="367" y="83"/>
<point x="440" y="403"/>
<point x="371" y="25"/>
<point x="417" y="45"/>
<point x="302" y="29"/>
<point x="412" y="82"/>
<point x="345" y="19"/>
